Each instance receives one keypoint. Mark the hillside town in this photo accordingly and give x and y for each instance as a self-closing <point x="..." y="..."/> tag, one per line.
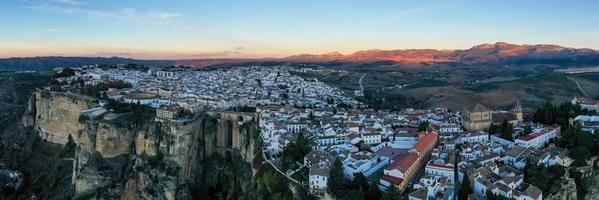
<point x="215" y="89"/>
<point x="422" y="154"/>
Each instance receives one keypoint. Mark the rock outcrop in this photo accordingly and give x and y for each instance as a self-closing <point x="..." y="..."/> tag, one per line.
<point x="57" y="114"/>
<point x="121" y="155"/>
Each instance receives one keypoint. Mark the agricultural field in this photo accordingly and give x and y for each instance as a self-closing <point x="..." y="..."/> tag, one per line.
<point x="453" y="87"/>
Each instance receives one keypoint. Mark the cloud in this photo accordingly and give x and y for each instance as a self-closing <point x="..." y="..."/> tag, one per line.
<point x="53" y="9"/>
<point x="69" y="2"/>
<point x="165" y="15"/>
<point x="126" y="14"/>
<point x="55" y="30"/>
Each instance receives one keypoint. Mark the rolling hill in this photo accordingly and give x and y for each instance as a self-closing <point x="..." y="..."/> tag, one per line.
<point x="499" y="52"/>
<point x="41" y="63"/>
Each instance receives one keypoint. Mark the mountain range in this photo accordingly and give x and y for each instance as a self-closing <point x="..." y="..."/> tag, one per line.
<point x="497" y="52"/>
<point x="480" y="53"/>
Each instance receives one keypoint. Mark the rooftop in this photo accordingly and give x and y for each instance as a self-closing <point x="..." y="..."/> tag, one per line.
<point x="140" y="96"/>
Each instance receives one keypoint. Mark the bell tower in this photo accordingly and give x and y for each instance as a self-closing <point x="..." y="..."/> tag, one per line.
<point x="517" y="111"/>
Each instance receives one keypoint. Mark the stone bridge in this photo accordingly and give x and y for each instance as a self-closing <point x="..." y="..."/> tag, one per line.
<point x="230" y="136"/>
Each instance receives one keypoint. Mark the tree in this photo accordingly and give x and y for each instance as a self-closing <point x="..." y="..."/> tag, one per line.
<point x="336" y="183"/>
<point x="295" y="151"/>
<point x="506" y="130"/>
<point x="580" y="155"/>
<point x="423" y="126"/>
<point x="360" y="182"/>
<point x="490" y="195"/>
<point x="66" y="72"/>
<point x="69" y="148"/>
<point x="353" y="194"/>
<point x="392" y="193"/>
<point x="465" y="189"/>
<point x="493" y="129"/>
<point x="527" y="130"/>
<point x="373" y="192"/>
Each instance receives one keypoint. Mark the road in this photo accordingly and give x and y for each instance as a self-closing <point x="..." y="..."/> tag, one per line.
<point x="581" y="90"/>
<point x="360" y="82"/>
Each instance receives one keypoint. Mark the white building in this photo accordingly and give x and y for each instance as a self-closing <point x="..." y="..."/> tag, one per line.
<point x="296" y="127"/>
<point x="474" y="137"/>
<point x="318" y="177"/>
<point x="328" y="140"/>
<point x="441" y="164"/>
<point x="588" y="122"/>
<point x="359" y="162"/>
<point x="538" y="138"/>
<point x="586" y="104"/>
<point x="371" y="138"/>
<point x="450" y="128"/>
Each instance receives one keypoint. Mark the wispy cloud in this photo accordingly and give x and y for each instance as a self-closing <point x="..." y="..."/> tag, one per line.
<point x="56" y="30"/>
<point x="127" y="14"/>
<point x="70" y="2"/>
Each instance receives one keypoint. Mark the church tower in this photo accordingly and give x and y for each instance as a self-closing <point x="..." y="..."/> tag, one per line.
<point x="517" y="111"/>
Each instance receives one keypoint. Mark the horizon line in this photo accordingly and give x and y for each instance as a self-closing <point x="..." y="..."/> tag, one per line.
<point x="190" y="56"/>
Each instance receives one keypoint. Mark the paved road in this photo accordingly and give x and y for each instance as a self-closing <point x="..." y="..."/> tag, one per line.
<point x="360" y="82"/>
<point x="581" y="90"/>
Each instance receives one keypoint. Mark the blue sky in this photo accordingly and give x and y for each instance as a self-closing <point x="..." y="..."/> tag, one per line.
<point x="269" y="28"/>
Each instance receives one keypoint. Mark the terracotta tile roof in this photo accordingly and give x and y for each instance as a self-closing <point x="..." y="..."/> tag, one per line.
<point x="532" y="136"/>
<point x="391" y="179"/>
<point x="427" y="140"/>
<point x="403" y="162"/>
<point x="419" y="194"/>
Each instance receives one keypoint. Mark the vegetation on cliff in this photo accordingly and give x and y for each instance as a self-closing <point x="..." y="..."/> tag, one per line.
<point x="547" y="179"/>
<point x="582" y="144"/>
<point x="47" y="168"/>
<point x="358" y="188"/>
<point x="294" y="152"/>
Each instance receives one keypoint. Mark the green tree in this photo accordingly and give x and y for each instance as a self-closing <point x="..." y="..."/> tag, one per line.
<point x="527" y="130"/>
<point x="580" y="155"/>
<point x="392" y="193"/>
<point x="506" y="130"/>
<point x="68" y="151"/>
<point x="337" y="182"/>
<point x="353" y="194"/>
<point x="360" y="182"/>
<point x="295" y="151"/>
<point x="465" y="189"/>
<point x="423" y="126"/>
<point x="66" y="72"/>
<point x="493" y="129"/>
<point x="373" y="192"/>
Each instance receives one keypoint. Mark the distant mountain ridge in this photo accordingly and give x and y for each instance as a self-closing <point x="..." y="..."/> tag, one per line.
<point x="497" y="52"/>
<point x="37" y="63"/>
<point x="479" y="53"/>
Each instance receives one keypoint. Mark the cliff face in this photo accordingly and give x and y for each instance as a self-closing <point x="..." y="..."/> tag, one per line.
<point x="119" y="156"/>
<point x="57" y="115"/>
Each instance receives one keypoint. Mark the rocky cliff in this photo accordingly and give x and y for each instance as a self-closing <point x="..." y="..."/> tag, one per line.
<point x="57" y="114"/>
<point x="120" y="156"/>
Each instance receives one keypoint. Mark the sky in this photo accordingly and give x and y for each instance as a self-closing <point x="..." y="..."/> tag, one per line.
<point x="184" y="29"/>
